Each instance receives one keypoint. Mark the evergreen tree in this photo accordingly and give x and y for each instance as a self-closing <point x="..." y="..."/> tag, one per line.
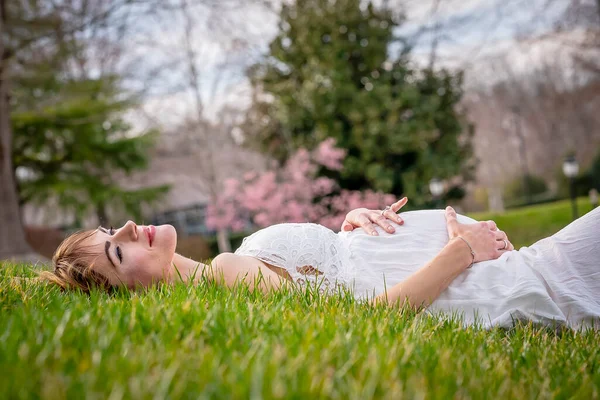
<point x="329" y="74"/>
<point x="29" y="31"/>
<point x="71" y="142"/>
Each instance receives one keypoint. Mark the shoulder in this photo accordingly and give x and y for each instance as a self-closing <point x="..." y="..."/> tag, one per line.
<point x="236" y="262"/>
<point x="227" y="264"/>
<point x="225" y="258"/>
<point x="233" y="267"/>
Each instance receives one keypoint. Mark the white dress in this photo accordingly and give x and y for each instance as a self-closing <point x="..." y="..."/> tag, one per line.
<point x="556" y="281"/>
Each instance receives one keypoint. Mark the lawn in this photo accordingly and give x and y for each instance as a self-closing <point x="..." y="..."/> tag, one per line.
<point x="209" y="342"/>
<point x="527" y="225"/>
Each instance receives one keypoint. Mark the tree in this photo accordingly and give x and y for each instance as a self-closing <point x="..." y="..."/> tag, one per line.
<point x="212" y="58"/>
<point x="12" y="235"/>
<point x="29" y="28"/>
<point x="71" y="142"/>
<point x="548" y="110"/>
<point x="329" y="74"/>
<point x="291" y="194"/>
<point x="68" y="102"/>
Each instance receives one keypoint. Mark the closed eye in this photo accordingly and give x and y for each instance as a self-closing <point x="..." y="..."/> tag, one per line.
<point x="111" y="231"/>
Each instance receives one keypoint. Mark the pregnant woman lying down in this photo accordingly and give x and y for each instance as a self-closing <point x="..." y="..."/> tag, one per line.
<point x="434" y="259"/>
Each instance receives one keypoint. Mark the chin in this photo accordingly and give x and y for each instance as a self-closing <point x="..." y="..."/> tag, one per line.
<point x="166" y="237"/>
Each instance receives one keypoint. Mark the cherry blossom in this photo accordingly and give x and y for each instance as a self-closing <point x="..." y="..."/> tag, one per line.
<point x="293" y="193"/>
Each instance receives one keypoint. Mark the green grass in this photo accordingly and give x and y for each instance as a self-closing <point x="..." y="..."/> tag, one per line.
<point x="210" y="342"/>
<point x="525" y="226"/>
<point x="206" y="341"/>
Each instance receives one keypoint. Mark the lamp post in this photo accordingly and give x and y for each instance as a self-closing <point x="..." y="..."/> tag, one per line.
<point x="571" y="169"/>
<point x="436" y="187"/>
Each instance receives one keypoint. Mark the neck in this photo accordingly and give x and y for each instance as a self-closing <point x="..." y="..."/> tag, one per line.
<point x="183" y="268"/>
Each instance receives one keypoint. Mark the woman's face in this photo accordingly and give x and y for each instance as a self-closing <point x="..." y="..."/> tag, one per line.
<point x="135" y="255"/>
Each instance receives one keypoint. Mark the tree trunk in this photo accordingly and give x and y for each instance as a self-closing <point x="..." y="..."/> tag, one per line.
<point x="101" y="214"/>
<point x="223" y="241"/>
<point x="12" y="235"/>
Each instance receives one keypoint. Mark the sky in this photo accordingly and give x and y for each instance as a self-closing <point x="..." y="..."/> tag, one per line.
<point x="227" y="40"/>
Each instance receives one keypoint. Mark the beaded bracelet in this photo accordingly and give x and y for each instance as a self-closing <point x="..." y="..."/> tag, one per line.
<point x="470" y="249"/>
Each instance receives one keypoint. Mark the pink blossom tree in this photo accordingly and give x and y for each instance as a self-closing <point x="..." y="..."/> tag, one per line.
<point x="293" y="193"/>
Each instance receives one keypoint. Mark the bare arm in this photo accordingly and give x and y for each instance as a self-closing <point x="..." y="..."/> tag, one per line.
<point x="230" y="269"/>
<point x="422" y="287"/>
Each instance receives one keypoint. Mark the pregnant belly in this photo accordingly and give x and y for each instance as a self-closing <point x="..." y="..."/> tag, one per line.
<point x="392" y="257"/>
<point x="422" y="236"/>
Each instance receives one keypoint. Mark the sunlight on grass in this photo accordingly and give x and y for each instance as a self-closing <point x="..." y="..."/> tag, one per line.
<point x="187" y="341"/>
<point x="208" y="341"/>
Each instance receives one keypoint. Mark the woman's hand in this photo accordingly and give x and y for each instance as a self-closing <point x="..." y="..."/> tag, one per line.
<point x="486" y="241"/>
<point x="365" y="218"/>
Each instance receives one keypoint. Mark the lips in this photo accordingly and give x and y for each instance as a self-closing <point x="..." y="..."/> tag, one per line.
<point x="150" y="232"/>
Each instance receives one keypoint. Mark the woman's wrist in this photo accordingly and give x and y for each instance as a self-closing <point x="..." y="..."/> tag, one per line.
<point x="459" y="247"/>
<point x="470" y="249"/>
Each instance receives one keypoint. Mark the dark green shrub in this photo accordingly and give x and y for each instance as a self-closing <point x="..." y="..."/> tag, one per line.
<point x="515" y="191"/>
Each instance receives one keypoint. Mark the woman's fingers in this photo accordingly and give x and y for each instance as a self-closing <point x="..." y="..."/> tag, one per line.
<point x="399" y="204"/>
<point x="504" y="244"/>
<point x="365" y="222"/>
<point x="451" y="222"/>
<point x="382" y="220"/>
<point x="391" y="215"/>
<point x="368" y="221"/>
<point x="381" y="217"/>
<point x="500" y="238"/>
<point x="492" y="225"/>
<point x="500" y="235"/>
<point x="347" y="226"/>
<point x="484" y="238"/>
<point x="502" y="249"/>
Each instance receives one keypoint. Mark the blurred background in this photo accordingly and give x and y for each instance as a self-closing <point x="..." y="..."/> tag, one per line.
<point x="224" y="116"/>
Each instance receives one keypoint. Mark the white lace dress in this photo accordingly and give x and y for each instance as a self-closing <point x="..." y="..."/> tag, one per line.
<point x="555" y="281"/>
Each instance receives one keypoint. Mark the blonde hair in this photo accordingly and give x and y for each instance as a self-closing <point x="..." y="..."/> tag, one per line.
<point x="74" y="265"/>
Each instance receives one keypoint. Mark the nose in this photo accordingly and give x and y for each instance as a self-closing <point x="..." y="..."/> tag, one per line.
<point x="128" y="231"/>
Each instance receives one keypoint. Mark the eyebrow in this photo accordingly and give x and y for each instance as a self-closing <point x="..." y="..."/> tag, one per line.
<point x="106" y="248"/>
